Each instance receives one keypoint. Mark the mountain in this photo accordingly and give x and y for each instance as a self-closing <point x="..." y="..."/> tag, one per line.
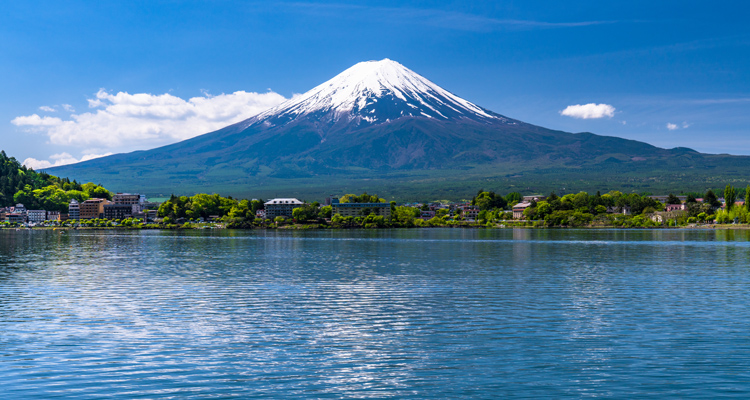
<point x="371" y="93"/>
<point x="380" y="126"/>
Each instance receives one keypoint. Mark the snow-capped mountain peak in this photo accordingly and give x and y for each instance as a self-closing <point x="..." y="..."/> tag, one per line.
<point x="374" y="92"/>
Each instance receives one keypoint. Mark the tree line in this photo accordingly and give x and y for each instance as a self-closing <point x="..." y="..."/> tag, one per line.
<point x="39" y="190"/>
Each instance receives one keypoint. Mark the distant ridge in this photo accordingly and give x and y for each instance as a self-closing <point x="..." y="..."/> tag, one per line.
<point x="380" y="126"/>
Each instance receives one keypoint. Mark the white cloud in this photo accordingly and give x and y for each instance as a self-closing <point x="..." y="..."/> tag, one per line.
<point x="672" y="126"/>
<point x="47" y="109"/>
<point x="56" y="160"/>
<point x="37" y="121"/>
<point x="685" y="125"/>
<point x="93" y="156"/>
<point x="126" y="121"/>
<point x="68" y="108"/>
<point x="589" y="111"/>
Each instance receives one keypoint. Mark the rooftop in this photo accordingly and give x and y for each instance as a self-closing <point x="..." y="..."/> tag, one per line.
<point x="284" y="201"/>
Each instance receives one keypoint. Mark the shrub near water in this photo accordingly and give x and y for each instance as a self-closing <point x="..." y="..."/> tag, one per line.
<point x="727" y="217"/>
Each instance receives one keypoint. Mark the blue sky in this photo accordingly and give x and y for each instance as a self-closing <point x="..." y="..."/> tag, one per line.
<point x="82" y="79"/>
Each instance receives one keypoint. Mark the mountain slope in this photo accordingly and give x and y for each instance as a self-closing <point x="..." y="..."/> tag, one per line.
<point x="379" y="124"/>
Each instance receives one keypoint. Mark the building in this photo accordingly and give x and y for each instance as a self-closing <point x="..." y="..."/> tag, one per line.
<point x="36" y="216"/>
<point x="118" y="211"/>
<point x="19" y="209"/>
<point x="624" y="210"/>
<point x="150" y="215"/>
<point x="260" y="214"/>
<point x="427" y="215"/>
<point x="519" y="208"/>
<point x="281" y="207"/>
<point x="360" y="209"/>
<point x="13" y="217"/>
<point x="93" y="208"/>
<point x="56" y="216"/>
<point x="135" y="200"/>
<point x="535" y="197"/>
<point x="149" y="205"/>
<point x="469" y="212"/>
<point x="128" y="198"/>
<point x="74" y="210"/>
<point x="663" y="198"/>
<point x="675" y="207"/>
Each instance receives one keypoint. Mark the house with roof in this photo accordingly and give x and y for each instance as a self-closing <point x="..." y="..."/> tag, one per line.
<point x="675" y="207"/>
<point x="519" y="208"/>
<point x="281" y="207"/>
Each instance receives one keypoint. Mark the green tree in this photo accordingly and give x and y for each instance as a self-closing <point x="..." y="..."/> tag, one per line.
<point x="513" y="197"/>
<point x="241" y="210"/>
<point x="305" y="213"/>
<point x="95" y="191"/>
<point x="325" y="212"/>
<point x="363" y="198"/>
<point x="256" y="205"/>
<point x="711" y="199"/>
<point x="730" y="196"/>
<point x="543" y="209"/>
<point x="337" y="219"/>
<point x="488" y="201"/>
<point x="672" y="199"/>
<point x="405" y="216"/>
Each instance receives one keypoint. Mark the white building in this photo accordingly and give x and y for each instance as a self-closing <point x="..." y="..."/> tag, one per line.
<point x="36" y="216"/>
<point x="281" y="207"/>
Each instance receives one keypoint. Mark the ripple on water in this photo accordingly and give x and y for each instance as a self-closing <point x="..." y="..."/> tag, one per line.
<point x="407" y="314"/>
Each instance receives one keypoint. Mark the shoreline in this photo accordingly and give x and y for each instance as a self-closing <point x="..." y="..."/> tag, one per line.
<point x="301" y="227"/>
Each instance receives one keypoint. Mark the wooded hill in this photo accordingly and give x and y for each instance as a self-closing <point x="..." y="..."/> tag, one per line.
<point x="39" y="190"/>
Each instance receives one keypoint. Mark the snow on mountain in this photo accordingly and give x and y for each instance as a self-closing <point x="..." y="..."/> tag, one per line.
<point x="374" y="92"/>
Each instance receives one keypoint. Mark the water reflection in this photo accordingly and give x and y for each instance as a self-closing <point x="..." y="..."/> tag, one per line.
<point x="431" y="313"/>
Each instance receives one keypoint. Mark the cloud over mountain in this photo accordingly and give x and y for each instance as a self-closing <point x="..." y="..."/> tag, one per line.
<point x="57" y="160"/>
<point x="143" y="120"/>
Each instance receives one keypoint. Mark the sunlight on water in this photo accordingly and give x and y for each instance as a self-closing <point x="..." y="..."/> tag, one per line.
<point x="432" y="313"/>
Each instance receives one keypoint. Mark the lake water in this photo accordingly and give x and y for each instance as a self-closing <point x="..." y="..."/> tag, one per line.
<point x="430" y="313"/>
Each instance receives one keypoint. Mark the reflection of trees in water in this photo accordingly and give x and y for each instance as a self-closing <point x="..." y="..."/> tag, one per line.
<point x="732" y="255"/>
<point x="19" y="248"/>
<point x="732" y="235"/>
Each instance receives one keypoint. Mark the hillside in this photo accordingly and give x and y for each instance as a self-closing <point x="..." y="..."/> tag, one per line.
<point x="379" y="126"/>
<point x="39" y="190"/>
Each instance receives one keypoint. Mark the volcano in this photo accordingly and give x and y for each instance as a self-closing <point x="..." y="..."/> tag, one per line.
<point x="380" y="126"/>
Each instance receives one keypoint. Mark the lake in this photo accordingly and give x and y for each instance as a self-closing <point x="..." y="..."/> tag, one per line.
<point x="428" y="313"/>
